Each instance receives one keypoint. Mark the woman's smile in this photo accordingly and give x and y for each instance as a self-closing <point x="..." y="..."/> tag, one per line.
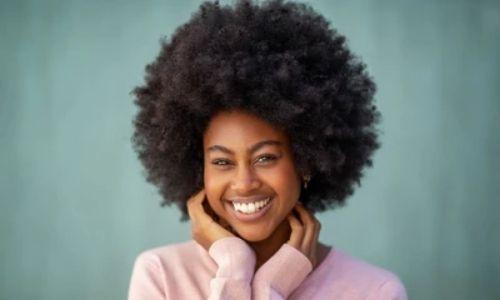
<point x="248" y="211"/>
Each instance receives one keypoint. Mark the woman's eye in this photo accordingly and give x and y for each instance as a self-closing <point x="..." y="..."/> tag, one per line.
<point x="266" y="158"/>
<point x="220" y="162"/>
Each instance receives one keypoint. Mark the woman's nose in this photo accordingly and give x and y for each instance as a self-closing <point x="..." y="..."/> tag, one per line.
<point x="245" y="180"/>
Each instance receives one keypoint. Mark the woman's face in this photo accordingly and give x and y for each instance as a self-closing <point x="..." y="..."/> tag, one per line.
<point x="247" y="160"/>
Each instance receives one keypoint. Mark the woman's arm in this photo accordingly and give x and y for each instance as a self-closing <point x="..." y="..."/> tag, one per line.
<point x="236" y="262"/>
<point x="281" y="274"/>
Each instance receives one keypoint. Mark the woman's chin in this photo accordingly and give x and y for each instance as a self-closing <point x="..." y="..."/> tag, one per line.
<point x="253" y="235"/>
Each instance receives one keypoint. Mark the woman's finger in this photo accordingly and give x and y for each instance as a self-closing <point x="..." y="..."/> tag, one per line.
<point x="309" y="229"/>
<point x="316" y="239"/>
<point x="191" y="202"/>
<point x="297" y="232"/>
<point x="196" y="211"/>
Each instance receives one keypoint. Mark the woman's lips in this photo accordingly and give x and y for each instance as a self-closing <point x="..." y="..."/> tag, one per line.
<point x="248" y="217"/>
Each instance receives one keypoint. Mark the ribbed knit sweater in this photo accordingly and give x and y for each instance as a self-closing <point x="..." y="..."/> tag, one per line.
<point x="226" y="271"/>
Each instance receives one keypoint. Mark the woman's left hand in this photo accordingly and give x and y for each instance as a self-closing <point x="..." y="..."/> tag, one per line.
<point x="305" y="232"/>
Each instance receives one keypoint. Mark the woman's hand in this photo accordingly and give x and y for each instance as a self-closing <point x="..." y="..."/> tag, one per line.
<point x="305" y="232"/>
<point x="205" y="230"/>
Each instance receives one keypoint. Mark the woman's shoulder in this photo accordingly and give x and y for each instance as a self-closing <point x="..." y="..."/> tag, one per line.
<point x="170" y="271"/>
<point x="350" y="265"/>
<point x="361" y="277"/>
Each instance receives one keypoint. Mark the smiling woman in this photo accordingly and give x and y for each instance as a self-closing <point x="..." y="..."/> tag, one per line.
<point x="253" y="118"/>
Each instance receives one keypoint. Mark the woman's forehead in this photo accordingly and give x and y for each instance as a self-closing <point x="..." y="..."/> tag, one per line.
<point x="240" y="129"/>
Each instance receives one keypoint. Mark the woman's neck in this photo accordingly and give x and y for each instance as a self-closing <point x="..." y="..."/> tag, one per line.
<point x="265" y="249"/>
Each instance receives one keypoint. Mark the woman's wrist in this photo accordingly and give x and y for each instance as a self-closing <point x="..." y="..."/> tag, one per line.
<point x="234" y="258"/>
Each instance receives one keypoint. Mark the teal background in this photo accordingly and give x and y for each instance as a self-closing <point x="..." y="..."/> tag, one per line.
<point x="76" y="210"/>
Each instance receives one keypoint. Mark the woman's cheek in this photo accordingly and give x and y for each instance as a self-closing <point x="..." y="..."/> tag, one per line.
<point x="213" y="191"/>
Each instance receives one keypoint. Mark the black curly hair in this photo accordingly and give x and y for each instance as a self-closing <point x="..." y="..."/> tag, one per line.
<point x="278" y="60"/>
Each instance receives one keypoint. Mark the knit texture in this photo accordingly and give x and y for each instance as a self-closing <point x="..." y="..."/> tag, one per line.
<point x="187" y="271"/>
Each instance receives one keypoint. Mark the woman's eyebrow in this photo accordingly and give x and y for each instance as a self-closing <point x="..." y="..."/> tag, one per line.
<point x="252" y="149"/>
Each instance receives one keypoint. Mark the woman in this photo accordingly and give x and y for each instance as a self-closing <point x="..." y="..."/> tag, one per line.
<point x="252" y="119"/>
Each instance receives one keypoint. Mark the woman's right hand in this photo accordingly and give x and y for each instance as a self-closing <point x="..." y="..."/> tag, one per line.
<point x="205" y="230"/>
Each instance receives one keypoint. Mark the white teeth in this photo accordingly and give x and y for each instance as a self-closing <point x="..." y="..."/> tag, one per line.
<point x="250" y="208"/>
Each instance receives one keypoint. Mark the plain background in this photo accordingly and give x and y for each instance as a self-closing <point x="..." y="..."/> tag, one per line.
<point x="75" y="207"/>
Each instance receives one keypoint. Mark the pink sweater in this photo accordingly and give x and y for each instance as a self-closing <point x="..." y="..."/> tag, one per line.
<point x="187" y="271"/>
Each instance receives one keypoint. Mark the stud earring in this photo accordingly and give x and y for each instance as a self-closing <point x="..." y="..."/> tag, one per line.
<point x="307" y="178"/>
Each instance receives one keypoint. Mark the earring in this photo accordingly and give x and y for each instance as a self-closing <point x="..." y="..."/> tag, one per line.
<point x="307" y="178"/>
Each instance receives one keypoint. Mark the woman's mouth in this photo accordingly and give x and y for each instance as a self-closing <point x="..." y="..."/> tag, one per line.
<point x="249" y="211"/>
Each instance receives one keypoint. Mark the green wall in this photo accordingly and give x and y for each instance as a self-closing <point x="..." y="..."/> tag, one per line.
<point x="76" y="210"/>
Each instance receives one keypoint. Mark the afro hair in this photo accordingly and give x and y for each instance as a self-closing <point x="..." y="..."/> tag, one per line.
<point x="278" y="60"/>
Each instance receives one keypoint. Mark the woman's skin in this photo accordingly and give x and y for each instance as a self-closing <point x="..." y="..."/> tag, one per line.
<point x="245" y="156"/>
